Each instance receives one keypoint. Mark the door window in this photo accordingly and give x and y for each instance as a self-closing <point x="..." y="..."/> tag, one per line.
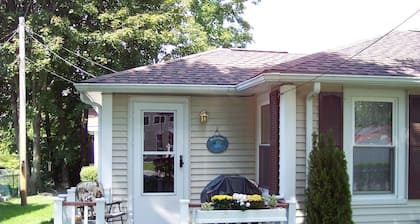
<point x="158" y="154"/>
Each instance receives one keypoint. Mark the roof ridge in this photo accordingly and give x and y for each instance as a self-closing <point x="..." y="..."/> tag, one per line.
<point x="255" y="50"/>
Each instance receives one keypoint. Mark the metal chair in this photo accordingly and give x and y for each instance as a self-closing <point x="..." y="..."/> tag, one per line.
<point x="114" y="212"/>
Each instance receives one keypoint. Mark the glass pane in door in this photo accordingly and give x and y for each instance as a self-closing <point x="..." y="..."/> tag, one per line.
<point x="158" y="131"/>
<point x="158" y="154"/>
<point x="158" y="173"/>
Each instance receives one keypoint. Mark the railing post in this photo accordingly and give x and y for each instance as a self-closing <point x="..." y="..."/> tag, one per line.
<point x="184" y="211"/>
<point x="100" y="211"/>
<point x="71" y="210"/>
<point x="58" y="210"/>
<point x="291" y="212"/>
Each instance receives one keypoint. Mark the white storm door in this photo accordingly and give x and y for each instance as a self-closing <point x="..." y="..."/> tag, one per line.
<point x="158" y="162"/>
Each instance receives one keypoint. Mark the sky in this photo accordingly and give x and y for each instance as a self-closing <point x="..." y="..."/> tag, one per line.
<point x="309" y="26"/>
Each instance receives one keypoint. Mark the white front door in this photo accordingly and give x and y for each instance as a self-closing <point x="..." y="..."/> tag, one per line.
<point x="158" y="162"/>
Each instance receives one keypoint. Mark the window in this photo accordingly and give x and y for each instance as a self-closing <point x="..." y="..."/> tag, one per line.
<point x="265" y="124"/>
<point x="375" y="144"/>
<point x="373" y="150"/>
<point x="146" y="120"/>
<point x="156" y="119"/>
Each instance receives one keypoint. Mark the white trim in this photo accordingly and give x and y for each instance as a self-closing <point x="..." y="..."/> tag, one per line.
<point x="158" y="88"/>
<point x="309" y="125"/>
<point x="398" y="97"/>
<point x="262" y="100"/>
<point x="287" y="144"/>
<point x="105" y="151"/>
<point x="328" y="78"/>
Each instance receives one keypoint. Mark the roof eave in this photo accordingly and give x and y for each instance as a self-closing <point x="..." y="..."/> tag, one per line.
<point x="158" y="88"/>
<point x="329" y="78"/>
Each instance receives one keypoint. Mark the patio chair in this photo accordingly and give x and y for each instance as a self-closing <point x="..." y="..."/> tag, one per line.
<point x="114" y="212"/>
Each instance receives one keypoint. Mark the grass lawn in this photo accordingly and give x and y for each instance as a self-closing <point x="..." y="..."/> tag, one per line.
<point x="39" y="210"/>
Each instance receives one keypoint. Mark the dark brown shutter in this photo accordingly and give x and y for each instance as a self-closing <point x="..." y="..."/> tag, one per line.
<point x="331" y="115"/>
<point x="274" y="142"/>
<point x="414" y="148"/>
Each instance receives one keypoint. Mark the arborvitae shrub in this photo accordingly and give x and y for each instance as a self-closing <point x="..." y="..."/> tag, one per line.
<point x="327" y="198"/>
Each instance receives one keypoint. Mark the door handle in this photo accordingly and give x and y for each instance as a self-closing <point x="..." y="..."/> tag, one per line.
<point x="181" y="161"/>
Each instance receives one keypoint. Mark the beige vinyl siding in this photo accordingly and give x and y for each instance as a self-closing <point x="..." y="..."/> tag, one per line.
<point x="120" y="147"/>
<point x="405" y="213"/>
<point x="234" y="118"/>
<point x="301" y="147"/>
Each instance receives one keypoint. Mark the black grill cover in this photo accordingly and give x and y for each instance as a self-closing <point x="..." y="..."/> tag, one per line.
<point x="228" y="184"/>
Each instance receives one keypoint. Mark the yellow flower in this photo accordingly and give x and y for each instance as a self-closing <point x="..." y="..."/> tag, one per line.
<point x="220" y="197"/>
<point x="254" y="197"/>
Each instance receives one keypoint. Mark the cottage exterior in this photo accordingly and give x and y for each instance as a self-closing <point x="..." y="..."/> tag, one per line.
<point x="152" y="145"/>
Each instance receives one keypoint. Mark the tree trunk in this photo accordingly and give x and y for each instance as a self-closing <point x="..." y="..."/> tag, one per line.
<point x="84" y="146"/>
<point x="35" y="178"/>
<point x="15" y="112"/>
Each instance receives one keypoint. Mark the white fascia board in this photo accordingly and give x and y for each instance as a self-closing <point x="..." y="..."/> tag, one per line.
<point x="329" y="78"/>
<point x="158" y="88"/>
<point x="91" y="98"/>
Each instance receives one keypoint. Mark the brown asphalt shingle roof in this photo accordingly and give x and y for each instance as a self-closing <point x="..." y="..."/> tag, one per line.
<point x="215" y="67"/>
<point x="398" y="54"/>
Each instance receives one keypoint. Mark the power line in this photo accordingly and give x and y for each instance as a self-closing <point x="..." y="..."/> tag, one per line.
<point x="12" y="34"/>
<point x="76" y="54"/>
<point x="354" y="55"/>
<point x="63" y="59"/>
<point x="52" y="73"/>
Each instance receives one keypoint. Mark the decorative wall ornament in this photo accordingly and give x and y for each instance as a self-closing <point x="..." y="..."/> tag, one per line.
<point x="217" y="143"/>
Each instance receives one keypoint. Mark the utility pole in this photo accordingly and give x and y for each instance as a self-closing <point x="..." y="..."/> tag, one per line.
<point x="22" y="113"/>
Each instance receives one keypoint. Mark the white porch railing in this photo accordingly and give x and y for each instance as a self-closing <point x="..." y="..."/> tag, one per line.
<point x="65" y="209"/>
<point x="285" y="214"/>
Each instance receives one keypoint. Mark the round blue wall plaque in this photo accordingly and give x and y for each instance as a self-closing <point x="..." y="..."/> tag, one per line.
<point x="217" y="144"/>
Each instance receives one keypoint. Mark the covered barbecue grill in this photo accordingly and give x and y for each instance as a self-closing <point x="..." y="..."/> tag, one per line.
<point x="228" y="184"/>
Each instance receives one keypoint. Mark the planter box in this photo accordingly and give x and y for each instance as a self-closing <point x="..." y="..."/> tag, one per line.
<point x="232" y="216"/>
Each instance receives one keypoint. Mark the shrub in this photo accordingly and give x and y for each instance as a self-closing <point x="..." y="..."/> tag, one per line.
<point x="327" y="198"/>
<point x="89" y="173"/>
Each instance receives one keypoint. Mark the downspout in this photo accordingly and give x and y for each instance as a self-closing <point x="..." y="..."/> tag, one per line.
<point x="309" y="124"/>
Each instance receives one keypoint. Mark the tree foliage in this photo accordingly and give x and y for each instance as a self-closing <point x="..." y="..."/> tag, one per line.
<point x="119" y="34"/>
<point x="327" y="198"/>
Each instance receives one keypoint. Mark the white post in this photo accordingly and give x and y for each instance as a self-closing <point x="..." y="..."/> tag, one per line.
<point x="22" y="113"/>
<point x="71" y="210"/>
<point x="58" y="210"/>
<point x="184" y="211"/>
<point x="287" y="180"/>
<point x="105" y="150"/>
<point x="291" y="212"/>
<point x="100" y="211"/>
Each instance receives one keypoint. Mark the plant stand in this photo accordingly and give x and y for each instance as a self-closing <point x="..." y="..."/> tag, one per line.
<point x="234" y="216"/>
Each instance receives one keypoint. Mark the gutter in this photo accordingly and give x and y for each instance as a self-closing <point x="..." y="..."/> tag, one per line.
<point x="158" y="88"/>
<point x="329" y="78"/>
<point x="309" y="124"/>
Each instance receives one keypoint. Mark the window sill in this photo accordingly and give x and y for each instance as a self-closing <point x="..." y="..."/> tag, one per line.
<point x="372" y="200"/>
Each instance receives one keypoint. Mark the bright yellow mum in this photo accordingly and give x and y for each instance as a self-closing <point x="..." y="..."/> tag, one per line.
<point x="254" y="197"/>
<point x="220" y="197"/>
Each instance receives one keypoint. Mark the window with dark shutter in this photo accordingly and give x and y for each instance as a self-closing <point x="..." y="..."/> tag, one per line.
<point x="414" y="148"/>
<point x="331" y="115"/>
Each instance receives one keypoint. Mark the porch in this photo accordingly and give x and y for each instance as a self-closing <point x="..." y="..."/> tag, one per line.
<point x="68" y="210"/>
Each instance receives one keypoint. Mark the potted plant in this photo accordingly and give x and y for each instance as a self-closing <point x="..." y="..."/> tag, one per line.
<point x="89" y="188"/>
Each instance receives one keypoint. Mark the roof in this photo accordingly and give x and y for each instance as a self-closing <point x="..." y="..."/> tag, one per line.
<point x="215" y="67"/>
<point x="396" y="55"/>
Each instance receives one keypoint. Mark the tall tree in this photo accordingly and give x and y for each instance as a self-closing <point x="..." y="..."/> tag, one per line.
<point x="119" y="34"/>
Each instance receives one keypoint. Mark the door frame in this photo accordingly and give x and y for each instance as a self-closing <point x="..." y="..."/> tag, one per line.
<point x="181" y="101"/>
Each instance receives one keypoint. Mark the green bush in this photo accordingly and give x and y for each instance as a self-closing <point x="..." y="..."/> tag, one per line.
<point x="89" y="173"/>
<point x="327" y="198"/>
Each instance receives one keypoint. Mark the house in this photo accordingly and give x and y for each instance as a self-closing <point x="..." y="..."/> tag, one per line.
<point x="153" y="144"/>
